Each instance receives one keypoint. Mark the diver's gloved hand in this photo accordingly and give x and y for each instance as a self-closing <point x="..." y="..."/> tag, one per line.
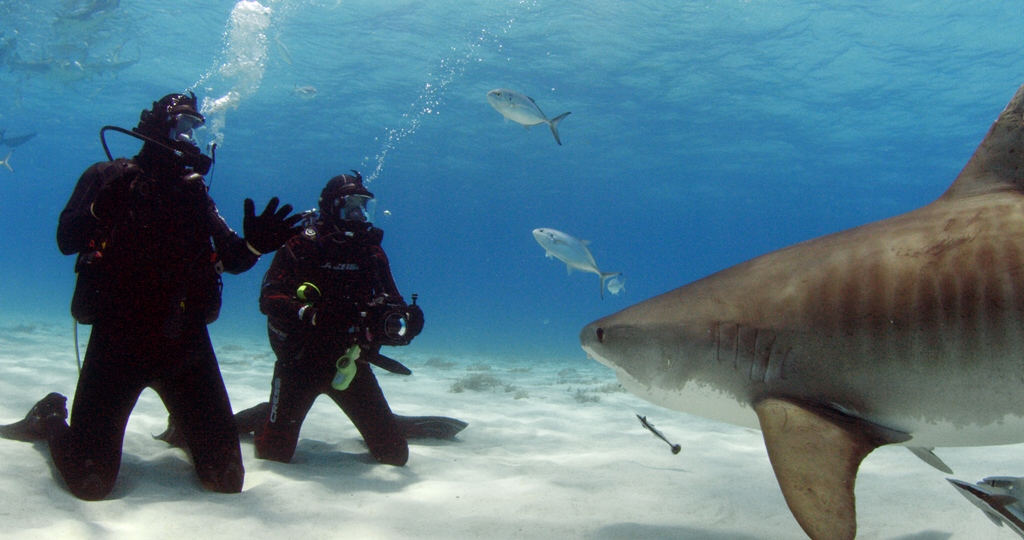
<point x="112" y="197"/>
<point x="331" y="315"/>
<point x="271" y="229"/>
<point x="414" y="322"/>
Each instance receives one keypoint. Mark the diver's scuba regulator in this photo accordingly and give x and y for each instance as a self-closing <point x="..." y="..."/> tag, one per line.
<point x="197" y="161"/>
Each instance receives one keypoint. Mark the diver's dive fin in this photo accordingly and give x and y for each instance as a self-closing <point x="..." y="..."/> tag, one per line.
<point x="430" y="427"/>
<point x="247" y="421"/>
<point x="52" y="408"/>
<point x="172" y="435"/>
<point x="252" y="419"/>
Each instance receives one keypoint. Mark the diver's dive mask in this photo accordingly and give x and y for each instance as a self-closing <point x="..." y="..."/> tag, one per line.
<point x="183" y="127"/>
<point x="355" y="208"/>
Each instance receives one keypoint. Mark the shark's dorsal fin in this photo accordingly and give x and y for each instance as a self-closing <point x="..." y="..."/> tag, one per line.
<point x="816" y="453"/>
<point x="998" y="163"/>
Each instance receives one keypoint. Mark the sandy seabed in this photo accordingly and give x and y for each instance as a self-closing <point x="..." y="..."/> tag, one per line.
<point x="553" y="450"/>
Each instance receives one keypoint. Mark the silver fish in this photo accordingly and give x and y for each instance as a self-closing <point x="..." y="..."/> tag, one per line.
<point x="521" y="109"/>
<point x="305" y="92"/>
<point x="908" y="331"/>
<point x="573" y="252"/>
<point x="616" y="285"/>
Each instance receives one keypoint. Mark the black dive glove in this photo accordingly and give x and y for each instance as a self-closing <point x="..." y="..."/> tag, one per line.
<point x="112" y="197"/>
<point x="271" y="229"/>
<point x="330" y="315"/>
<point x="414" y="322"/>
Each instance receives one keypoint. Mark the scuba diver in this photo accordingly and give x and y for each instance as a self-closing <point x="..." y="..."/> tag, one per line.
<point x="151" y="247"/>
<point x="331" y="303"/>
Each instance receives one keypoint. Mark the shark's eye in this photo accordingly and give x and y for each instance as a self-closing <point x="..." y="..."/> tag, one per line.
<point x="600" y="335"/>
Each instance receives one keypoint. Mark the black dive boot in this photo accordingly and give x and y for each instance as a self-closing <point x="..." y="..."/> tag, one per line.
<point x="247" y="421"/>
<point x="252" y="419"/>
<point x="172" y="435"/>
<point x="33" y="426"/>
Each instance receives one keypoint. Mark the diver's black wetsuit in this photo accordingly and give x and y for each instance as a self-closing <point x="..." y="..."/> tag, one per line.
<point x="350" y="269"/>
<point x="157" y="288"/>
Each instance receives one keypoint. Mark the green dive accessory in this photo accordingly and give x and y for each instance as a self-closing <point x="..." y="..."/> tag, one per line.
<point x="346" y="368"/>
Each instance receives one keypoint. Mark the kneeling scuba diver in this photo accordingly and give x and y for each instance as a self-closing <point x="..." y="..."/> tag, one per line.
<point x="390" y="322"/>
<point x="151" y="247"/>
<point x="331" y="304"/>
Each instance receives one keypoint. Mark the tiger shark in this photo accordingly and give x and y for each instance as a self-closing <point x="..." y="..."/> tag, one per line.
<point x="906" y="331"/>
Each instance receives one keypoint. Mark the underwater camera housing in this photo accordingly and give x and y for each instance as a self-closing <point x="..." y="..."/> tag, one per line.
<point x="387" y="322"/>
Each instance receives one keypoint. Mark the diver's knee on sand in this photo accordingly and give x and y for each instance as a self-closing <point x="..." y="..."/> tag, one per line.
<point x="87" y="479"/>
<point x="225" y="479"/>
<point x="395" y="452"/>
<point x="396" y="458"/>
<point x="92" y="487"/>
<point x="275" y="446"/>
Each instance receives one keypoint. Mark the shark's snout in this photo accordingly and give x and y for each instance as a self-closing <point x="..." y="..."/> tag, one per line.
<point x="592" y="340"/>
<point x="591" y="333"/>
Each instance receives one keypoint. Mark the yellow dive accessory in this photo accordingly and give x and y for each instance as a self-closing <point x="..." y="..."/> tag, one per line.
<point x="307" y="292"/>
<point x="346" y="368"/>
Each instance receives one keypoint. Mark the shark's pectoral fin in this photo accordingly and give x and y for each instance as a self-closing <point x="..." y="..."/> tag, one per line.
<point x="816" y="452"/>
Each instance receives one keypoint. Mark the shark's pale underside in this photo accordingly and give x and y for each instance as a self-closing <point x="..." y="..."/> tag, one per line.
<point x="904" y="331"/>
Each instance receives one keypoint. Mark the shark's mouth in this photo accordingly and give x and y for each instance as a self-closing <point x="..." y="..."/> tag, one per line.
<point x="594" y="356"/>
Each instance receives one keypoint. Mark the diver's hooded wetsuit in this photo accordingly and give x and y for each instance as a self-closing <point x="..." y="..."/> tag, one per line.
<point x="154" y="248"/>
<point x="345" y="261"/>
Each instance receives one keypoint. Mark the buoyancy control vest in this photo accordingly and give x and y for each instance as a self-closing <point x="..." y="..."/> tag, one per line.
<point x="156" y="258"/>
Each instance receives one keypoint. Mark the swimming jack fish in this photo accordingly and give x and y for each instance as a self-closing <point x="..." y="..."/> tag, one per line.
<point x="906" y="331"/>
<point x="616" y="285"/>
<point x="521" y="109"/>
<point x="573" y="252"/>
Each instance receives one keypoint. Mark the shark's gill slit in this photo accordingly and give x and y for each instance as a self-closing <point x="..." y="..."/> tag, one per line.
<point x="718" y="341"/>
<point x="762" y="357"/>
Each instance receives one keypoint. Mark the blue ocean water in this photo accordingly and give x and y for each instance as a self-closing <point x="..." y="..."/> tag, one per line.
<point x="702" y="134"/>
